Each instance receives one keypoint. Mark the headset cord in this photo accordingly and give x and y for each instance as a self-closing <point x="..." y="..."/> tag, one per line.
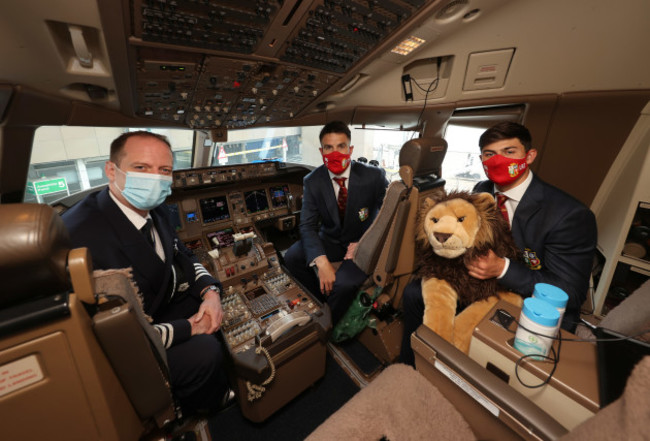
<point x="256" y="391"/>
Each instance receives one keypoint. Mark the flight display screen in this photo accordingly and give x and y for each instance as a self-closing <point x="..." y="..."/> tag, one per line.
<point x="256" y="201"/>
<point x="278" y="196"/>
<point x="214" y="209"/>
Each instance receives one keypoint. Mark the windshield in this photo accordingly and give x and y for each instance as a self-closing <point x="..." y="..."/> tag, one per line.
<point x="67" y="160"/>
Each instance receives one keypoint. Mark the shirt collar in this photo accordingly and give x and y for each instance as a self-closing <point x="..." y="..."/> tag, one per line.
<point x="137" y="220"/>
<point x="517" y="192"/>
<point x="345" y="174"/>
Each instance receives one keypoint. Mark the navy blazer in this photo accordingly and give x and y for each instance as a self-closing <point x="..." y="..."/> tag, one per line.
<point x="99" y="224"/>
<point x="319" y="218"/>
<point x="558" y="236"/>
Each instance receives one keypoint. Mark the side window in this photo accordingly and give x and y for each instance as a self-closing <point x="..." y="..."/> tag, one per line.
<point x="462" y="167"/>
<point x="67" y="160"/>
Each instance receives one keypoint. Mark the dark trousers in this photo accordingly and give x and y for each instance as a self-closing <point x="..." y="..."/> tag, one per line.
<point x="413" y="309"/>
<point x="349" y="277"/>
<point x="198" y="379"/>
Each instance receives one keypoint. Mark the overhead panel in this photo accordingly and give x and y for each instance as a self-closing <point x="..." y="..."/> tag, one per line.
<point x="165" y="87"/>
<point x="226" y="25"/>
<point x="338" y="33"/>
<point x="247" y="63"/>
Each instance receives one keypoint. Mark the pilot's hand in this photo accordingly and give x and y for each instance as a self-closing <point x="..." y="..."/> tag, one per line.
<point x="209" y="310"/>
<point x="352" y="248"/>
<point x="200" y="326"/>
<point x="486" y="267"/>
<point x="326" y="274"/>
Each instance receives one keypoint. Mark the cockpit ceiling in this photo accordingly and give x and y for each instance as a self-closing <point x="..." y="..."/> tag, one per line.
<point x="234" y="64"/>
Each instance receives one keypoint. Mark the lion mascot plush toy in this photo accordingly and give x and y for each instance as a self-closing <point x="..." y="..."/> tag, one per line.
<point x="451" y="231"/>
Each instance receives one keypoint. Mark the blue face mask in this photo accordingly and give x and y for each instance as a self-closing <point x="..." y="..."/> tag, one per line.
<point x="145" y="191"/>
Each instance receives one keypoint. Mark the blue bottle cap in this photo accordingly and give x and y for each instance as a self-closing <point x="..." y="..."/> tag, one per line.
<point x="551" y="294"/>
<point x="540" y="312"/>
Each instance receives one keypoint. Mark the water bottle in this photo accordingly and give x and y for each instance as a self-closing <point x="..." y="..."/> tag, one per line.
<point x="537" y="322"/>
<point x="552" y="295"/>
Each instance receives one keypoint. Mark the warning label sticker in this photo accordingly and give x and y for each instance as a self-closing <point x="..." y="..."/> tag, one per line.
<point x="19" y="374"/>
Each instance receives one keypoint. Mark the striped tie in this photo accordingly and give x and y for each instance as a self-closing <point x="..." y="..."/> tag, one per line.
<point x="501" y="205"/>
<point x="343" y="196"/>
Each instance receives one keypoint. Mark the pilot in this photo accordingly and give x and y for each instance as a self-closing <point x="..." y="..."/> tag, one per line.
<point x="341" y="198"/>
<point x="555" y="232"/>
<point x="127" y="225"/>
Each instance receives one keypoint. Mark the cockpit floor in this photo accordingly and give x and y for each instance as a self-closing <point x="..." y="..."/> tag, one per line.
<point x="294" y="421"/>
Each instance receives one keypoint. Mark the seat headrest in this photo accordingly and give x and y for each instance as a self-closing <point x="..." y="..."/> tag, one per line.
<point x="423" y="155"/>
<point x="34" y="245"/>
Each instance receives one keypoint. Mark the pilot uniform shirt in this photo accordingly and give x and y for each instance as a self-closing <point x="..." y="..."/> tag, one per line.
<point x="557" y="236"/>
<point x="319" y="217"/>
<point x="170" y="286"/>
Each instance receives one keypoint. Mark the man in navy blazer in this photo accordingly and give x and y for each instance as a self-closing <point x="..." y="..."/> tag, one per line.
<point x="555" y="232"/>
<point x="332" y="224"/>
<point x="178" y="293"/>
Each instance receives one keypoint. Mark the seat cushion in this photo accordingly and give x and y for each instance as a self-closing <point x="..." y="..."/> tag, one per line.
<point x="400" y="404"/>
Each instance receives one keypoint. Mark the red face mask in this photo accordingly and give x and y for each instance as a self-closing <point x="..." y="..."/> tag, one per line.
<point x="336" y="162"/>
<point x="504" y="171"/>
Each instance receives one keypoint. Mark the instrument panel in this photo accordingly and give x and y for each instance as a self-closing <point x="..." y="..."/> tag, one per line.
<point x="237" y="208"/>
<point x="220" y="214"/>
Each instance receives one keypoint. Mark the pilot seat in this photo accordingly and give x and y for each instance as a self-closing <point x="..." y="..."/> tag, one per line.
<point x="78" y="360"/>
<point x="387" y="249"/>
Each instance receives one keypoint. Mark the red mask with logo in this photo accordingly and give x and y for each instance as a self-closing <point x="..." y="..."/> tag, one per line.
<point x="336" y="162"/>
<point x="503" y="171"/>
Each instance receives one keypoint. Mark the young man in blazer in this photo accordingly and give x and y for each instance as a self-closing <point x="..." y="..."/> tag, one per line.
<point x="341" y="198"/>
<point x="555" y="232"/>
<point x="127" y="225"/>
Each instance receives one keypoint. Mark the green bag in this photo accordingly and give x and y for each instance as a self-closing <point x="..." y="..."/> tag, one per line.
<point x="356" y="318"/>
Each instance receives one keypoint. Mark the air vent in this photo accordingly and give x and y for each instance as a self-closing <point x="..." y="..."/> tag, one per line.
<point x="88" y="92"/>
<point x="452" y="10"/>
<point x="324" y="106"/>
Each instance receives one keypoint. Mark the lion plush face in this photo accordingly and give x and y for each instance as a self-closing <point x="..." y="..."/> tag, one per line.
<point x="455" y="229"/>
<point x="451" y="227"/>
<point x="459" y="222"/>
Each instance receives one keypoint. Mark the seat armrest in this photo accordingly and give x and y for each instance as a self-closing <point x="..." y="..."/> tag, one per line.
<point x="510" y="406"/>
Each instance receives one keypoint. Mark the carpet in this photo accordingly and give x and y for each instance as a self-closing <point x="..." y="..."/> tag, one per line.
<point x="294" y="421"/>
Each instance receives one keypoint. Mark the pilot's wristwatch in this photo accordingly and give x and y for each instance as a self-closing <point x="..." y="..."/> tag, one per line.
<point x="209" y="288"/>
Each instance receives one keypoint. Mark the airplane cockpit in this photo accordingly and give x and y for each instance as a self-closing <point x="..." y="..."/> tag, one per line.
<point x="240" y="91"/>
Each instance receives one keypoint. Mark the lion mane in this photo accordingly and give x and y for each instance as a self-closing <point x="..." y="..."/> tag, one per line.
<point x="493" y="233"/>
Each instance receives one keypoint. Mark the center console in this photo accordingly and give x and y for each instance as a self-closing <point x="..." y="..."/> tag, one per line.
<point x="568" y="392"/>
<point x="275" y="332"/>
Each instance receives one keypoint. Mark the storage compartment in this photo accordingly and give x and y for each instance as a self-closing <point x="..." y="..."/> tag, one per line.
<point x="626" y="279"/>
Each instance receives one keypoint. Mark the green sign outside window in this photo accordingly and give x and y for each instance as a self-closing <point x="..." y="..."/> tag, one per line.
<point x="48" y="186"/>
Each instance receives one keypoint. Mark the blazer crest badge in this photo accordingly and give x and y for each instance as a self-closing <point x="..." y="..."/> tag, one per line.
<point x="531" y="259"/>
<point x="363" y="214"/>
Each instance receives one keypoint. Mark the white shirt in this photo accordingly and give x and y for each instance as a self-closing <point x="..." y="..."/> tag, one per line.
<point x="139" y="222"/>
<point x="345" y="174"/>
<point x="514" y="197"/>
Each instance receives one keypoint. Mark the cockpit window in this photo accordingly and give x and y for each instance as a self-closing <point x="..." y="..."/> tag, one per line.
<point x="462" y="167"/>
<point x="67" y="160"/>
